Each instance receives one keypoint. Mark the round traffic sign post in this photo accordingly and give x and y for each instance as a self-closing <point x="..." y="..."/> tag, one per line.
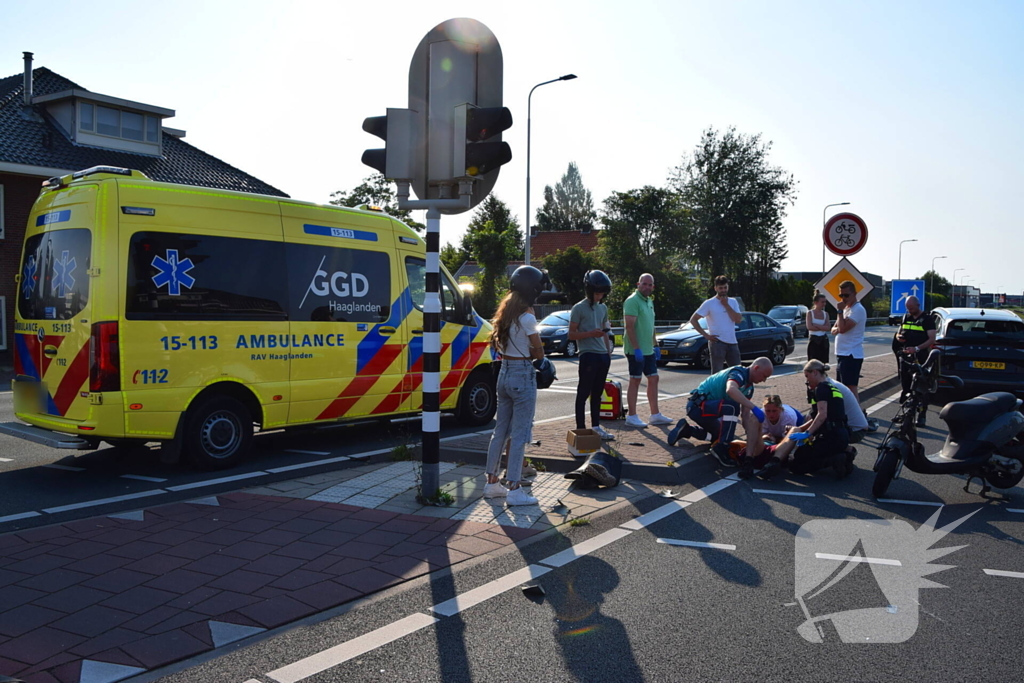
<point x="845" y="234"/>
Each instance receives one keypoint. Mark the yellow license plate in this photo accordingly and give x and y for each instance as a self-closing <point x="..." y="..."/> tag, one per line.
<point x="986" y="365"/>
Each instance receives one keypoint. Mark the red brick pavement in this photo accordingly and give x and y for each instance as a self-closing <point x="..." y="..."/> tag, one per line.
<point x="143" y="593"/>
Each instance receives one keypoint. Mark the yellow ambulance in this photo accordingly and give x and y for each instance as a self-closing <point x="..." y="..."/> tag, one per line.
<point x="151" y="311"/>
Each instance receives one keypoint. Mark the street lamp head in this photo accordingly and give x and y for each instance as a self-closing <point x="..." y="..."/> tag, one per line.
<point x="842" y="203"/>
<point x="567" y="77"/>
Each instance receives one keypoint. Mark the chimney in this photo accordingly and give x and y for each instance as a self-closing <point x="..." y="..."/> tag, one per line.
<point x="28" y="77"/>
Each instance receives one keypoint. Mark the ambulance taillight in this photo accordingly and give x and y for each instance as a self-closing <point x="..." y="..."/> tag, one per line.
<point x="105" y="365"/>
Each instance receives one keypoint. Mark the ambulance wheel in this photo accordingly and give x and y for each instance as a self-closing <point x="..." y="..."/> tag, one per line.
<point x="218" y="432"/>
<point x="477" y="399"/>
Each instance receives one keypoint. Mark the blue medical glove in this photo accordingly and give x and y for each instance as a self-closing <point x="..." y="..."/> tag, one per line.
<point x="657" y="353"/>
<point x="639" y="355"/>
<point x="799" y="436"/>
<point x="758" y="413"/>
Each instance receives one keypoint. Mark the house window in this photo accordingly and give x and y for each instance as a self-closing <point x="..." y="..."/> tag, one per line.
<point x="152" y="129"/>
<point x="85" y="116"/>
<point x="108" y="121"/>
<point x="131" y="125"/>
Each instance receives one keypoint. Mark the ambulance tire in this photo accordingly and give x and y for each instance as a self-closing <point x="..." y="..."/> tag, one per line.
<point x="478" y="399"/>
<point x="218" y="432"/>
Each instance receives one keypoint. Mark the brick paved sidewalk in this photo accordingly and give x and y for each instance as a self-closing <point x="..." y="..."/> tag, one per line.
<point x="102" y="599"/>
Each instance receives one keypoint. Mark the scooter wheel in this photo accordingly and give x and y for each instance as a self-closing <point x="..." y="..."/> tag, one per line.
<point x="885" y="470"/>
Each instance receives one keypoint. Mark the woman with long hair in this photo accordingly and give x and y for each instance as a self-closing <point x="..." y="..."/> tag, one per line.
<point x="817" y="330"/>
<point x="516" y="338"/>
<point x="589" y="328"/>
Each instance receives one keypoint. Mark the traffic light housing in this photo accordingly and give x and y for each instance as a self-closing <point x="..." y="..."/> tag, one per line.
<point x="402" y="149"/>
<point x="478" y="146"/>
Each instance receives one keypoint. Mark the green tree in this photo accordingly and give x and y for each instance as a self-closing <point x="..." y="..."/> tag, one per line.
<point x="566" y="269"/>
<point x="451" y="257"/>
<point x="490" y="249"/>
<point x="942" y="285"/>
<point x="736" y="202"/>
<point x="567" y="206"/>
<point x="376" y="190"/>
<point x="494" y="215"/>
<point x="642" y="232"/>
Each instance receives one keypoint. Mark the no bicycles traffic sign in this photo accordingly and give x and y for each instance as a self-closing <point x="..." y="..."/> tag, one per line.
<point x="845" y="234"/>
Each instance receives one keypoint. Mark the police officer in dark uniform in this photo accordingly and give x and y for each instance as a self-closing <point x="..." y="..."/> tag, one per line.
<point x="916" y="336"/>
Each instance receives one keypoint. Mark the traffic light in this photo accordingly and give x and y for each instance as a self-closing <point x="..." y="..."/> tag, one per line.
<point x="478" y="146"/>
<point x="398" y="158"/>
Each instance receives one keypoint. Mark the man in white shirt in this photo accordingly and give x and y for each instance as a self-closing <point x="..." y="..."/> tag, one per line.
<point x="723" y="314"/>
<point x="849" y="332"/>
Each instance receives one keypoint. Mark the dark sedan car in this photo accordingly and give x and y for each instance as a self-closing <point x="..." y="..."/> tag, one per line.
<point x="554" y="333"/>
<point x="758" y="335"/>
<point x="984" y="347"/>
<point x="793" y="316"/>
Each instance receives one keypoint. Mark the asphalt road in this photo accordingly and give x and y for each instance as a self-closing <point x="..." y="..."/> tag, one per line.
<point x="636" y="609"/>
<point x="34" y="477"/>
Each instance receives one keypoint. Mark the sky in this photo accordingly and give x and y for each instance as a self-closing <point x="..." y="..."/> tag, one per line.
<point x="910" y="111"/>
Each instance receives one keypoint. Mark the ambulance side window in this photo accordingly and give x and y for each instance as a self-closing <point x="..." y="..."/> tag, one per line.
<point x="175" y="276"/>
<point x="416" y="269"/>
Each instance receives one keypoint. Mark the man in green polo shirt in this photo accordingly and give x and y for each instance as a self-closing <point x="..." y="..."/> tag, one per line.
<point x="641" y="351"/>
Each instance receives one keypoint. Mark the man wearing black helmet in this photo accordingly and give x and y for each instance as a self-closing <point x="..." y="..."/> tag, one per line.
<point x="589" y="327"/>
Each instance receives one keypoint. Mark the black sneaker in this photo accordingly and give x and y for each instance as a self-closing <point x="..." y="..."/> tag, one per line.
<point x="773" y="467"/>
<point x="680" y="431"/>
<point x="746" y="468"/>
<point x="922" y="420"/>
<point x="851" y="453"/>
<point x="721" y="453"/>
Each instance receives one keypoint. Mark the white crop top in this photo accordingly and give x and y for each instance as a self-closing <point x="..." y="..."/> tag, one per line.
<point x="519" y="336"/>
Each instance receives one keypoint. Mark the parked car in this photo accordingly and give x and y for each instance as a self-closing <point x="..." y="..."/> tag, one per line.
<point x="984" y="347"/>
<point x="794" y="316"/>
<point x="757" y="335"/>
<point x="554" y="333"/>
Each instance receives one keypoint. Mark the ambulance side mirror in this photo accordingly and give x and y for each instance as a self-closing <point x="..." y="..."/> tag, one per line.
<point x="467" y="309"/>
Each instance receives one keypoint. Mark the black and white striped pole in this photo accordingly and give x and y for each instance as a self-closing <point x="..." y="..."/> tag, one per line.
<point x="447" y="147"/>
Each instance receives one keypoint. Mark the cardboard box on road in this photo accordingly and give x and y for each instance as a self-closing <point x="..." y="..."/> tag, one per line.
<point x="583" y="442"/>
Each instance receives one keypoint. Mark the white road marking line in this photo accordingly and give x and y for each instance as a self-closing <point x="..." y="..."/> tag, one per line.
<point x="303" y="465"/>
<point x="883" y="403"/>
<point x="1000" y="572"/>
<point x="588" y="546"/>
<point x="103" y="501"/>
<point x="560" y="390"/>
<point x="910" y="502"/>
<point x="488" y="590"/>
<point x="857" y="558"/>
<point x="654" y="515"/>
<point x="214" y="482"/>
<point x="314" y="664"/>
<point x="139" y="477"/>
<point x="66" y="468"/>
<point x="296" y="450"/>
<point x="708" y="490"/>
<point x="697" y="544"/>
<point x="20" y="515"/>
<point x="783" y="493"/>
<point x="1013" y="510"/>
<point x="6" y="460"/>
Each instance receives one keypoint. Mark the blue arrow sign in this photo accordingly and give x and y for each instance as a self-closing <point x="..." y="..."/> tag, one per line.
<point x="901" y="291"/>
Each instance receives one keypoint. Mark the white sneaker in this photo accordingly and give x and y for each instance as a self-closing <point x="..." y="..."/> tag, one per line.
<point x="659" y="419"/>
<point x="495" y="490"/>
<point x="635" y="421"/>
<point x="519" y="497"/>
<point x="603" y="434"/>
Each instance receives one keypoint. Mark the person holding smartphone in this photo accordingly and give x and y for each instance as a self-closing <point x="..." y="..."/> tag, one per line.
<point x="590" y="329"/>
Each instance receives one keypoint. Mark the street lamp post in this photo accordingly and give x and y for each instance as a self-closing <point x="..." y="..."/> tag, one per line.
<point x="963" y="292"/>
<point x="955" y="271"/>
<point x="933" y="279"/>
<point x="823" y="212"/>
<point x="899" y="268"/>
<point x="529" y="104"/>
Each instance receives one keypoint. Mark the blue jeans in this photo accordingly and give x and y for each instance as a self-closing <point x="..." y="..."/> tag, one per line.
<point x="517" y="402"/>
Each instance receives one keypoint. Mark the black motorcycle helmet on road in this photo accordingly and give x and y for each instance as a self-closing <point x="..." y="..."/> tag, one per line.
<point x="529" y="282"/>
<point x="596" y="281"/>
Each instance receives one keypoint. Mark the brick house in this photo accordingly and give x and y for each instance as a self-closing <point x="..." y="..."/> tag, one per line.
<point x="51" y="126"/>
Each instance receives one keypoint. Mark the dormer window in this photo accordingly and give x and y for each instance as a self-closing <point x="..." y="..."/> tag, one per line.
<point x="118" y="123"/>
<point x="97" y="120"/>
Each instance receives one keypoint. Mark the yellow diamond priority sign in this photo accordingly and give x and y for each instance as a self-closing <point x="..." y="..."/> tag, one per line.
<point x="840" y="273"/>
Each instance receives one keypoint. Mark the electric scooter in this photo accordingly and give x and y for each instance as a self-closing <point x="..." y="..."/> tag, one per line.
<point x="985" y="441"/>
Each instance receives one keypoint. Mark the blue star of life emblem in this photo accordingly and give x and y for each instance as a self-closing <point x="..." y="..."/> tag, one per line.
<point x="28" y="277"/>
<point x="173" y="273"/>
<point x="63" y="282"/>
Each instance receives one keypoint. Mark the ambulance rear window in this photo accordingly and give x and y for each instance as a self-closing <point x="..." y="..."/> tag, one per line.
<point x="54" y="281"/>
